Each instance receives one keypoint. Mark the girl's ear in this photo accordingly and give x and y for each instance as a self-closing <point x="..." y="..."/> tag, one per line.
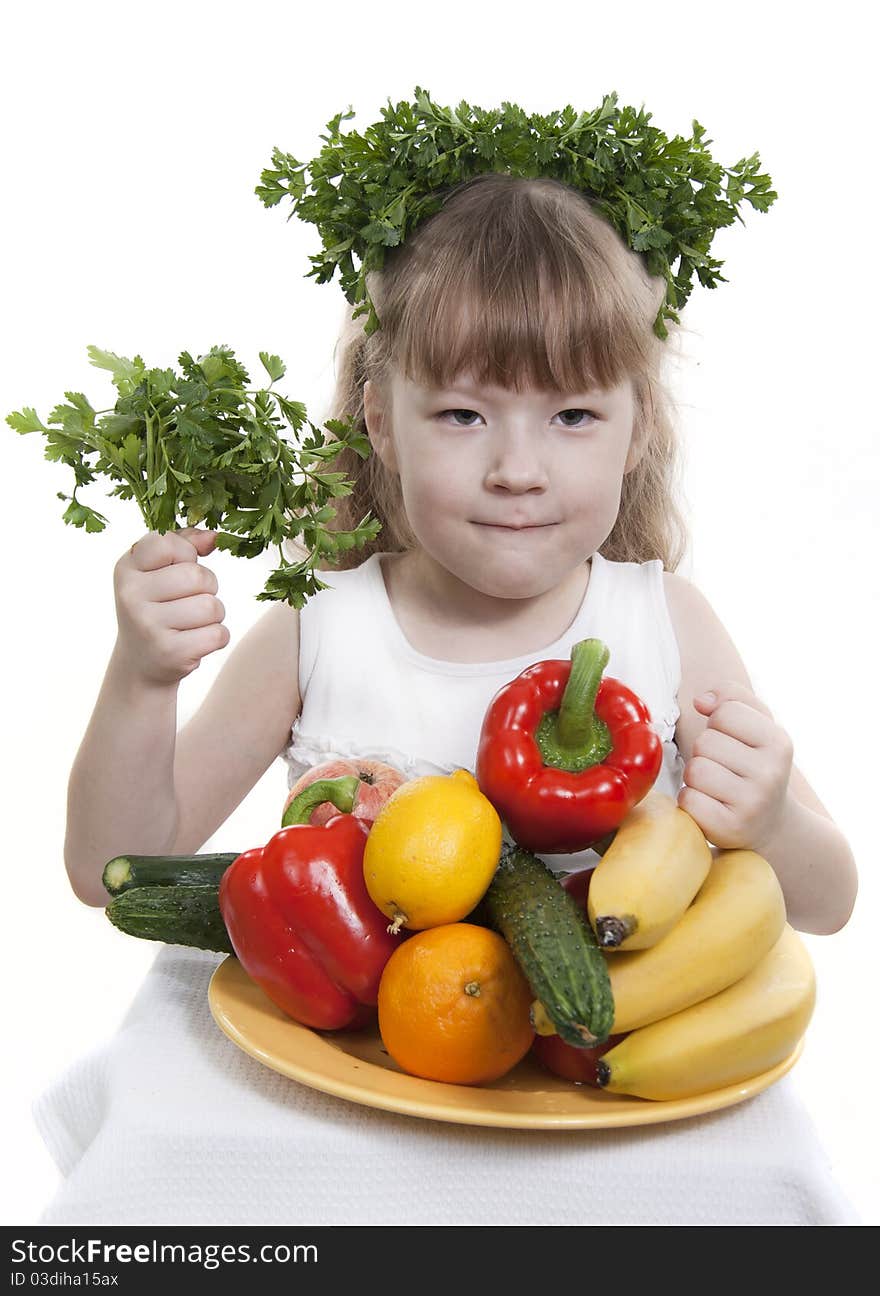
<point x="637" y="446"/>
<point x="635" y="452"/>
<point x="643" y="419"/>
<point x="377" y="417"/>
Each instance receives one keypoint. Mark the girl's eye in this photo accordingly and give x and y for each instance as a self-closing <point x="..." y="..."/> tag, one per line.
<point x="586" y="413"/>
<point x="581" y="413"/>
<point x="443" y="414"/>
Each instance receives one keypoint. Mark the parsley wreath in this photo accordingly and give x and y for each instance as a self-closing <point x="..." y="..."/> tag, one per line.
<point x="367" y="192"/>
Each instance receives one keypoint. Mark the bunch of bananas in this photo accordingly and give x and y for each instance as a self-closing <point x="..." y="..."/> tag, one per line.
<point x="711" y="985"/>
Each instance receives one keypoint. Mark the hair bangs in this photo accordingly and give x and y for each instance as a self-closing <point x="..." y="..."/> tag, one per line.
<point x="515" y="297"/>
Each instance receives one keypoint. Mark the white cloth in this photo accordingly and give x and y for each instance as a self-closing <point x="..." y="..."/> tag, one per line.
<point x="367" y="692"/>
<point x="171" y="1124"/>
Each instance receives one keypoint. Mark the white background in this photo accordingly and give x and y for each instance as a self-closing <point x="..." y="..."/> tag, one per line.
<point x="134" y="136"/>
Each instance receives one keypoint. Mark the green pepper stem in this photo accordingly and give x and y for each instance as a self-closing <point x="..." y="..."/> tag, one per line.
<point x="574" y="738"/>
<point x="577" y="717"/>
<point x="341" y="792"/>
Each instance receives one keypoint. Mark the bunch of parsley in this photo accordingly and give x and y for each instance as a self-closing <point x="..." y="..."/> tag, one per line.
<point x="202" y="446"/>
<point x="367" y="191"/>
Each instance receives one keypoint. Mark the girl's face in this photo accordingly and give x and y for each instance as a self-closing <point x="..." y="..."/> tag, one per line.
<point x="507" y="491"/>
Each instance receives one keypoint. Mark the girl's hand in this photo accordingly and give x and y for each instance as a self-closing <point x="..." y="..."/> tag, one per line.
<point x="736" y="781"/>
<point x="167" y="611"/>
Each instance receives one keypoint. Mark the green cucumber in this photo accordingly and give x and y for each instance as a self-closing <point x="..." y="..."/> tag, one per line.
<point x="178" y="915"/>
<point x="554" y="944"/>
<point x="128" y="871"/>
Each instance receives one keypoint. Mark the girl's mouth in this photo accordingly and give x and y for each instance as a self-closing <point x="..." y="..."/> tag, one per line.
<point x="503" y="526"/>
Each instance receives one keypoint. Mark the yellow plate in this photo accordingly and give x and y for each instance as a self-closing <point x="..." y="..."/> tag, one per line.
<point x="355" y="1066"/>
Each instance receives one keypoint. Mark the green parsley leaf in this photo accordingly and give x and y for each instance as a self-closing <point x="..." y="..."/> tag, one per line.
<point x="366" y="192"/>
<point x="274" y="366"/>
<point x="202" y="446"/>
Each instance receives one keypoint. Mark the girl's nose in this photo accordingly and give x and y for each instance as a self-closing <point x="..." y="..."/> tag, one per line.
<point x="516" y="466"/>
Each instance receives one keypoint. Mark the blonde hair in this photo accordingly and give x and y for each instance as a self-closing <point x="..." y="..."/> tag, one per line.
<point x="523" y="283"/>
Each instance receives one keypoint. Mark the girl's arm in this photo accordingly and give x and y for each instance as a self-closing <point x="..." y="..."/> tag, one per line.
<point x="740" y="784"/>
<point x="136" y="786"/>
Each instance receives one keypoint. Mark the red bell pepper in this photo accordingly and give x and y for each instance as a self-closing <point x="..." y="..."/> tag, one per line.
<point x="565" y="754"/>
<point x="300" y="919"/>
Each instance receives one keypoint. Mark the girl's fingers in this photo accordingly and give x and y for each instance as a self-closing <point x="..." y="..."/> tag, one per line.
<point x="193" y="645"/>
<point x="179" y="580"/>
<point x="742" y="722"/>
<point x="191" y="613"/>
<point x="155" y="550"/>
<point x="713" y="780"/>
<point x="731" y="691"/>
<point x="716" y="820"/>
<point x="204" y="541"/>
<point x="733" y="754"/>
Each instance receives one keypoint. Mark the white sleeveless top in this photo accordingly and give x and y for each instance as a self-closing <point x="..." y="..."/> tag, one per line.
<point x="367" y="692"/>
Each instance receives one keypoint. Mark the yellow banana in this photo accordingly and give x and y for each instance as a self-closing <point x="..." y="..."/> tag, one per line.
<point x="736" y="918"/>
<point x="648" y="876"/>
<point x="735" y="1035"/>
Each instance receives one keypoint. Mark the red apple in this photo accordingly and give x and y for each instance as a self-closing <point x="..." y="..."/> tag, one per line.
<point x="577" y="1064"/>
<point x="578" y="886"/>
<point x="378" y="782"/>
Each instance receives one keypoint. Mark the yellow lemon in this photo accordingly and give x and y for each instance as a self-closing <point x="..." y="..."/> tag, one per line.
<point x="432" y="851"/>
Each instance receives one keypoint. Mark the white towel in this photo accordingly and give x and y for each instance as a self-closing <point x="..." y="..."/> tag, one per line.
<point x="171" y="1124"/>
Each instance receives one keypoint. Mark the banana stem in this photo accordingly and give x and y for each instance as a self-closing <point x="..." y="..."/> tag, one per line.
<point x="613" y="931"/>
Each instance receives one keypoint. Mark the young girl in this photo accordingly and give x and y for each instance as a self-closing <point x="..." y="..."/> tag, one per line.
<point x="523" y="472"/>
<point x="524" y="468"/>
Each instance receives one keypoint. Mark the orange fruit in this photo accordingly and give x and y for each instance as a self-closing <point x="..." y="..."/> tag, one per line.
<point x="454" y="1005"/>
<point x="432" y="851"/>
